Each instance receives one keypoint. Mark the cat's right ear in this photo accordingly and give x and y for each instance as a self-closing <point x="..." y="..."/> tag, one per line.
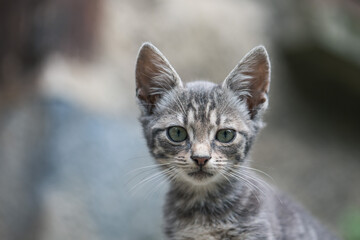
<point x="250" y="81"/>
<point x="154" y="77"/>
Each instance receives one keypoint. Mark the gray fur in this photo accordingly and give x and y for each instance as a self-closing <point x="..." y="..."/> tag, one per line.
<point x="229" y="201"/>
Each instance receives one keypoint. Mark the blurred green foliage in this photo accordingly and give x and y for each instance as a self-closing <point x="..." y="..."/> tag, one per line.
<point x="350" y="224"/>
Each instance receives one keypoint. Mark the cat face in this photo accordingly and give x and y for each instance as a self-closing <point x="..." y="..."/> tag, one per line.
<point x="199" y="133"/>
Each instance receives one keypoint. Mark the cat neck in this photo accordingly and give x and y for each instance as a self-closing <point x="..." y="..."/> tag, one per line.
<point x="212" y="202"/>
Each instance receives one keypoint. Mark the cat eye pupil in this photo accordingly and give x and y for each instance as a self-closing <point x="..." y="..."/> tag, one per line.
<point x="177" y="134"/>
<point x="225" y="135"/>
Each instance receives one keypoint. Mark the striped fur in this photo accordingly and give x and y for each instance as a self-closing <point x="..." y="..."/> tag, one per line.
<point x="227" y="201"/>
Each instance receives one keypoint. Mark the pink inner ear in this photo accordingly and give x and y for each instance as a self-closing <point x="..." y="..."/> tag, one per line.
<point x="255" y="66"/>
<point x="154" y="76"/>
<point x="259" y="87"/>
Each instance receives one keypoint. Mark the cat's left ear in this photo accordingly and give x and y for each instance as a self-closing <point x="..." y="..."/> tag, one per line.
<point x="154" y="77"/>
<point x="250" y="81"/>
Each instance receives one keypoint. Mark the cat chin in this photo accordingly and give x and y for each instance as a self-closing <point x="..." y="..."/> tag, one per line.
<point x="198" y="179"/>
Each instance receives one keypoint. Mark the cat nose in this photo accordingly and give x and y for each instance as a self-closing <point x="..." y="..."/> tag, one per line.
<point x="200" y="160"/>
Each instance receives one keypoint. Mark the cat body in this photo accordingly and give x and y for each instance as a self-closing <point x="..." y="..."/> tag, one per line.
<point x="200" y="134"/>
<point x="239" y="214"/>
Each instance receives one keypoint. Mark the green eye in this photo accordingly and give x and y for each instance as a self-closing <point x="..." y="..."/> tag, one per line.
<point x="225" y="135"/>
<point x="177" y="134"/>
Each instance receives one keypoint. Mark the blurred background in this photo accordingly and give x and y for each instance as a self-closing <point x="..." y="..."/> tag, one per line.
<point x="72" y="151"/>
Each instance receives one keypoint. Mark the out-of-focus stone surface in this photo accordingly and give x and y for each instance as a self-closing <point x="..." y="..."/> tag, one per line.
<point x="202" y="40"/>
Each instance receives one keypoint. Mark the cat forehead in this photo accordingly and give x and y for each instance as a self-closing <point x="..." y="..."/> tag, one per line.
<point x="202" y="103"/>
<point x="199" y="96"/>
<point x="201" y="86"/>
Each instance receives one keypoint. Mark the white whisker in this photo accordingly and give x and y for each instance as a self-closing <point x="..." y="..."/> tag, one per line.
<point x="154" y="166"/>
<point x="240" y="177"/>
<point x="223" y="173"/>
<point x="167" y="178"/>
<point x="150" y="178"/>
<point x="259" y="171"/>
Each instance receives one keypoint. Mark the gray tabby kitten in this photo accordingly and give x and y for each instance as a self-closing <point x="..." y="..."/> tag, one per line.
<point x="200" y="135"/>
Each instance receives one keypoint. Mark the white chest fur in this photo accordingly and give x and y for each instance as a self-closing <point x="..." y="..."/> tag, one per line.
<point x="200" y="232"/>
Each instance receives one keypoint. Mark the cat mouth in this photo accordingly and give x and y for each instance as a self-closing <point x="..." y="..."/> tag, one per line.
<point x="200" y="174"/>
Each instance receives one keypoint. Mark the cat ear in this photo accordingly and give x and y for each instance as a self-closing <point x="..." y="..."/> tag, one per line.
<point x="250" y="80"/>
<point x="154" y="76"/>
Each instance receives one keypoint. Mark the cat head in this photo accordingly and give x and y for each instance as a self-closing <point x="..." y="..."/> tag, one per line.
<point x="199" y="133"/>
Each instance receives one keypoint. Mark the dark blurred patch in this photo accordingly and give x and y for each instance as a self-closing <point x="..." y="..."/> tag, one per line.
<point x="31" y="30"/>
<point x="17" y="53"/>
<point x="67" y="26"/>
<point x="327" y="82"/>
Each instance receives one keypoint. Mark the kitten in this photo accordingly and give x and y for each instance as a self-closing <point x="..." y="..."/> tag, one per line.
<point x="200" y="135"/>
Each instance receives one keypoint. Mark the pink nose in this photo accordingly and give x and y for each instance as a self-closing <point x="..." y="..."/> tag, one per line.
<point x="200" y="160"/>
